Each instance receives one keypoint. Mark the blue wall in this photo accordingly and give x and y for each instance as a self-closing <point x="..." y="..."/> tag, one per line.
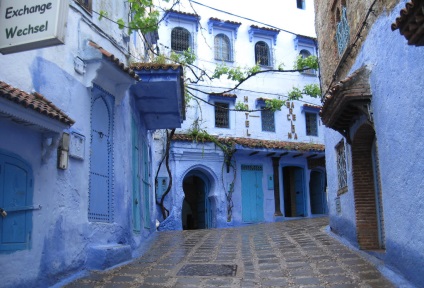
<point x="397" y="78"/>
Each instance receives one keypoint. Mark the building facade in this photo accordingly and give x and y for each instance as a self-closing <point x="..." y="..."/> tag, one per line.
<point x="371" y="77"/>
<point x="75" y="146"/>
<point x="258" y="165"/>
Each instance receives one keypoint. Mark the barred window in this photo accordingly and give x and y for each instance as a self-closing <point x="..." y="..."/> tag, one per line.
<point x="341" y="165"/>
<point x="87" y="4"/>
<point x="222" y="48"/>
<point x="222" y="115"/>
<point x="268" y="121"/>
<point x="311" y="124"/>
<point x="342" y="30"/>
<point x="180" y="39"/>
<point x="262" y="55"/>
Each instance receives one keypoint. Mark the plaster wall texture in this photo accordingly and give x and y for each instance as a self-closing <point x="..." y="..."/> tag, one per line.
<point x="63" y="240"/>
<point x="396" y="83"/>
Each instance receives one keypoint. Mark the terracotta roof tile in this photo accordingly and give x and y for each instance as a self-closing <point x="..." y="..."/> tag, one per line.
<point x="265" y="28"/>
<point x="225" y="21"/>
<point x="312" y="106"/>
<point x="154" y="66"/>
<point x="227" y="95"/>
<point x="257" y="143"/>
<point x="183" y="13"/>
<point x="114" y="60"/>
<point x="34" y="101"/>
<point x="411" y="22"/>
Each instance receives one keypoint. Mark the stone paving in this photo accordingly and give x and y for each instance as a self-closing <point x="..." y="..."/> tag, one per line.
<point x="296" y="253"/>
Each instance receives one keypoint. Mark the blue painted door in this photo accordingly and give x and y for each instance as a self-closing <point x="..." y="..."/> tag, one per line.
<point x="136" y="178"/>
<point x="317" y="193"/>
<point x="252" y="193"/>
<point x="16" y="189"/>
<point x="146" y="185"/>
<point x="100" y="194"/>
<point x="299" y="190"/>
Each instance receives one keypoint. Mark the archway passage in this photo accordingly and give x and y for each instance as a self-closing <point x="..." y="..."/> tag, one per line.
<point x="318" y="196"/>
<point x="196" y="212"/>
<point x="294" y="198"/>
<point x="367" y="192"/>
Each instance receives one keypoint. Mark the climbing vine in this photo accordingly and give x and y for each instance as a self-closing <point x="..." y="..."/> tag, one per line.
<point x="228" y="148"/>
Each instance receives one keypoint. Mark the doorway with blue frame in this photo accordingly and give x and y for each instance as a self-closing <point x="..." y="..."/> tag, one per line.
<point x="294" y="191"/>
<point x="196" y="209"/>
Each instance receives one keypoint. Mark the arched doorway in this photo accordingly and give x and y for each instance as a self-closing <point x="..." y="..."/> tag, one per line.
<point x="367" y="191"/>
<point x="317" y="193"/>
<point x="294" y="191"/>
<point x="196" y="208"/>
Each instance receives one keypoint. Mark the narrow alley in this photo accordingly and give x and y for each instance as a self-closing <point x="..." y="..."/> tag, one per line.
<point x="297" y="253"/>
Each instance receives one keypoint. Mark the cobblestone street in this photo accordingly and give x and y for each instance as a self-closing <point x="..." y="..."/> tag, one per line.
<point x="296" y="253"/>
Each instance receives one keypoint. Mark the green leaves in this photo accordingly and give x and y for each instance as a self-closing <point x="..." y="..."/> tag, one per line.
<point x="312" y="90"/>
<point x="242" y="106"/>
<point x="310" y="62"/>
<point x="235" y="74"/>
<point x="274" y="104"/>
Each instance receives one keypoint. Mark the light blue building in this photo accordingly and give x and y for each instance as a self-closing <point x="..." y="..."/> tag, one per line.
<point x="372" y="78"/>
<point x="75" y="149"/>
<point x="261" y="166"/>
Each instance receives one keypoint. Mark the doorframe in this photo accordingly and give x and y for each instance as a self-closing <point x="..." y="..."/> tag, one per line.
<point x="306" y="192"/>
<point x="324" y="178"/>
<point x="209" y="216"/>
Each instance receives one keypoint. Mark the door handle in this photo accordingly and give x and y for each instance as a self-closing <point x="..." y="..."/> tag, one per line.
<point x="3" y="212"/>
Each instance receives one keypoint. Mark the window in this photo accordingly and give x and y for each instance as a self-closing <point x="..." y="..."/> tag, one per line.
<point x="87" y="4"/>
<point x="342" y="30"/>
<point x="305" y="54"/>
<point x="262" y="56"/>
<point x="222" y="115"/>
<point x="268" y="121"/>
<point x="341" y="167"/>
<point x="301" y="4"/>
<point x="222" y="48"/>
<point x="311" y="124"/>
<point x="180" y="39"/>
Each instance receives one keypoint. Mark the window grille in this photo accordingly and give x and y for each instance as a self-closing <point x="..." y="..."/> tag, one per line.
<point x="87" y="4"/>
<point x="222" y="48"/>
<point x="341" y="165"/>
<point x="301" y="4"/>
<point x="180" y="39"/>
<point x="268" y="121"/>
<point x="311" y="124"/>
<point x="222" y="115"/>
<point x="262" y="56"/>
<point x="342" y="32"/>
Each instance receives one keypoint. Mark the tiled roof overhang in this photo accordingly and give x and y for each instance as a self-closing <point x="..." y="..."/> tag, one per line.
<point x="411" y="22"/>
<point x="260" y="144"/>
<point x="32" y="108"/>
<point x="224" y="24"/>
<point x="255" y="31"/>
<point x="181" y="16"/>
<point x="346" y="101"/>
<point x="114" y="60"/>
